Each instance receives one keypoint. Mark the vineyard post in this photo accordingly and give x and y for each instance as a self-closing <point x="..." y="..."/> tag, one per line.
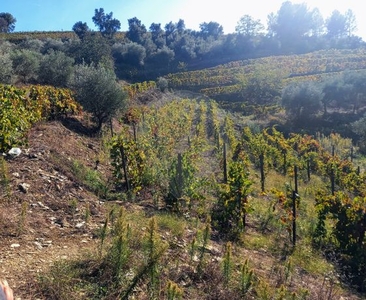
<point x="134" y="132"/>
<point x="111" y="127"/>
<point x="217" y="139"/>
<point x="284" y="153"/>
<point x="225" y="163"/>
<point x="351" y="154"/>
<point x="261" y="166"/>
<point x="124" y="166"/>
<point x="332" y="176"/>
<point x="308" y="168"/>
<point x="180" y="182"/>
<point x="294" y="197"/>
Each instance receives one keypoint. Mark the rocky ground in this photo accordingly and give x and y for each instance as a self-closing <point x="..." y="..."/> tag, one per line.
<point x="46" y="215"/>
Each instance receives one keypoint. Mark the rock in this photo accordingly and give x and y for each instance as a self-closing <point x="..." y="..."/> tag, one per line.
<point x="38" y="245"/>
<point x="15" y="245"/>
<point x="79" y="225"/>
<point x="32" y="156"/>
<point x="61" y="222"/>
<point x="16" y="174"/>
<point x="43" y="206"/>
<point x="24" y="187"/>
<point x="14" y="152"/>
<point x="47" y="243"/>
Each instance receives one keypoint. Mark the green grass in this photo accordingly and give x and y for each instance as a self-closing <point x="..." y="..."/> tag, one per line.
<point x="174" y="224"/>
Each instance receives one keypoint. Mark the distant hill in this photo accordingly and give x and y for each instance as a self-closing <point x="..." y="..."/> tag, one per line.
<point x="223" y="81"/>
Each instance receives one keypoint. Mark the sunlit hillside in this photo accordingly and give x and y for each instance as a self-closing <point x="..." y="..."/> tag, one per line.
<point x="179" y="164"/>
<point x="226" y="81"/>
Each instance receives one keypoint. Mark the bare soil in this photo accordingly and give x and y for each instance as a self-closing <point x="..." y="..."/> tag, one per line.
<point x="43" y="207"/>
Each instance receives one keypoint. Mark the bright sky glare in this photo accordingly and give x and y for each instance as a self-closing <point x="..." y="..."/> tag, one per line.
<point x="56" y="15"/>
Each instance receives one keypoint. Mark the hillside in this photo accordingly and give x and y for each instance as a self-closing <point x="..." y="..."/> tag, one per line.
<point x="224" y="82"/>
<point x="43" y="214"/>
<point x="58" y="193"/>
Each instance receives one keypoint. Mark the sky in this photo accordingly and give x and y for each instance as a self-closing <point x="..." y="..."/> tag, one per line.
<point x="61" y="15"/>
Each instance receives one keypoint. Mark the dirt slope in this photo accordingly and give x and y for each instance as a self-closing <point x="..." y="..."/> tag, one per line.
<point x="43" y="208"/>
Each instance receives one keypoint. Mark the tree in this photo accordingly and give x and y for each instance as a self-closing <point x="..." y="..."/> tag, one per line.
<point x="359" y="127"/>
<point x="26" y="64"/>
<point x="317" y="23"/>
<point x="330" y="91"/>
<point x="97" y="90"/>
<point x="174" y="32"/>
<point x="336" y="25"/>
<point x="136" y="31"/>
<point x="55" y="69"/>
<point x="92" y="49"/>
<point x="6" y="68"/>
<point x="170" y="32"/>
<point x="351" y="23"/>
<point x="105" y="22"/>
<point x="249" y="27"/>
<point x="211" y="29"/>
<point x="157" y="35"/>
<point x="292" y="23"/>
<point x="301" y="99"/>
<point x="162" y="57"/>
<point x="7" y="22"/>
<point x="185" y="47"/>
<point x="130" y="53"/>
<point x="354" y="82"/>
<point x="263" y="87"/>
<point x="6" y="64"/>
<point x="80" y="29"/>
<point x="32" y="44"/>
<point x="51" y="44"/>
<point x="181" y="26"/>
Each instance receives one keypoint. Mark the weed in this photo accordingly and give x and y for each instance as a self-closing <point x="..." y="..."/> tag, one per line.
<point x="87" y="213"/>
<point x="227" y="263"/>
<point x="22" y="218"/>
<point x="173" y="291"/>
<point x="205" y="240"/>
<point x="73" y="204"/>
<point x="90" y="178"/>
<point x="103" y="235"/>
<point x="172" y="223"/>
<point x="4" y="179"/>
<point x="246" y="278"/>
<point x="263" y="290"/>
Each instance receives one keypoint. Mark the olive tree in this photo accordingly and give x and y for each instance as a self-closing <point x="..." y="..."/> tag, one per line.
<point x="6" y="63"/>
<point x="359" y="128"/>
<point x="97" y="90"/>
<point x="302" y="99"/>
<point x="6" y="68"/>
<point x="26" y="64"/>
<point x="55" y="68"/>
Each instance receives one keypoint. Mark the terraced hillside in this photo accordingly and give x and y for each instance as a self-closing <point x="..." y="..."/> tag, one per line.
<point x="224" y="82"/>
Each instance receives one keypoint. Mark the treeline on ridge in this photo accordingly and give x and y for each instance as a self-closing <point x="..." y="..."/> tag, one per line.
<point x="144" y="53"/>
